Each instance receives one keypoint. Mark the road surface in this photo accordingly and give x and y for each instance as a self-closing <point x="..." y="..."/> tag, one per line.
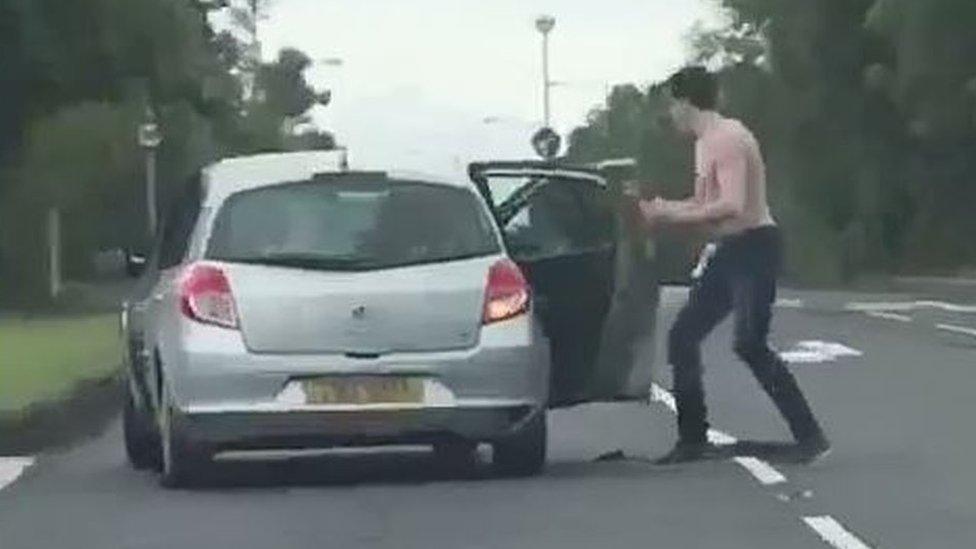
<point x="900" y="476"/>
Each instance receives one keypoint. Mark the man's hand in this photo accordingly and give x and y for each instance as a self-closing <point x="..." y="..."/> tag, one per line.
<point x="632" y="189"/>
<point x="654" y="212"/>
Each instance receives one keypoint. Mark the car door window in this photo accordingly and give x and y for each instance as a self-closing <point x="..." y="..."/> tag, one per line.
<point x="552" y="216"/>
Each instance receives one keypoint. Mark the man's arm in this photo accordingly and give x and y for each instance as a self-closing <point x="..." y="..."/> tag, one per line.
<point x="732" y="173"/>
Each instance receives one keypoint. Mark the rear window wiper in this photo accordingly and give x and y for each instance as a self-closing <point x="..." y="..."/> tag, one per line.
<point x="303" y="261"/>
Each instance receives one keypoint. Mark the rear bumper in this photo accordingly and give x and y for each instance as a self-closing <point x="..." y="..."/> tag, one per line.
<point x="243" y="428"/>
<point x="210" y="371"/>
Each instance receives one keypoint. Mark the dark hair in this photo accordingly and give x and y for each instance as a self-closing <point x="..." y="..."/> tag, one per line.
<point x="697" y="85"/>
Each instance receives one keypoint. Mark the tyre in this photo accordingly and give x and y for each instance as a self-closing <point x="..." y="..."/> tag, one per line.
<point x="183" y="462"/>
<point x="524" y="453"/>
<point x="141" y="438"/>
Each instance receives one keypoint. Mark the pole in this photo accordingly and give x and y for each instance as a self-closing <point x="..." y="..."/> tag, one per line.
<point x="54" y="251"/>
<point x="151" y="211"/>
<point x="546" y="84"/>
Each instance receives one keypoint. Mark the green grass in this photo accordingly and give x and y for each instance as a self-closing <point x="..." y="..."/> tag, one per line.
<point x="42" y="360"/>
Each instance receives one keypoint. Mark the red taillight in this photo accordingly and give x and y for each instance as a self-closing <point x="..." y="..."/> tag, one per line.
<point x="508" y="293"/>
<point x="205" y="296"/>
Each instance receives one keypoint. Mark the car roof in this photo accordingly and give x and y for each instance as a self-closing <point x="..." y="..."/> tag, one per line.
<point x="234" y="175"/>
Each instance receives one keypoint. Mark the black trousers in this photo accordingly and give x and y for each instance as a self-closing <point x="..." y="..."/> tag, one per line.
<point x="740" y="277"/>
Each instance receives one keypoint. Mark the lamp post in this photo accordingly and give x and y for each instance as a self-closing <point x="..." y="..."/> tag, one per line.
<point x="150" y="138"/>
<point x="544" y="24"/>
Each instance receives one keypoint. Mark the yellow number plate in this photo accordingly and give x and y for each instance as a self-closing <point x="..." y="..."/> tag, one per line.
<point x="364" y="390"/>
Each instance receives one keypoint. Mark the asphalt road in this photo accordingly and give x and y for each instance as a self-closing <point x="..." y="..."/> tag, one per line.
<point x="900" y="475"/>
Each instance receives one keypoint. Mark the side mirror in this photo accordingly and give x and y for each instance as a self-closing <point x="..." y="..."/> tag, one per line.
<point x="135" y="264"/>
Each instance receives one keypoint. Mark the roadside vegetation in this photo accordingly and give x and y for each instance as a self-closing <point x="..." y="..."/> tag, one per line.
<point x="44" y="359"/>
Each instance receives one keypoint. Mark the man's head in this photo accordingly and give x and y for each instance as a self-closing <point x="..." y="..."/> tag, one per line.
<point x="693" y="90"/>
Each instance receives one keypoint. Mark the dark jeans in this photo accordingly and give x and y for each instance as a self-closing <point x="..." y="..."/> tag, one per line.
<point x="739" y="278"/>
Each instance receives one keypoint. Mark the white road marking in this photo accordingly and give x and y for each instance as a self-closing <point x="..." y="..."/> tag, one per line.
<point x="908" y="306"/>
<point x="764" y="473"/>
<point x="956" y="329"/>
<point x="664" y="396"/>
<point x="864" y="307"/>
<point x="947" y="307"/>
<point x="834" y="533"/>
<point x="816" y="352"/>
<point x="678" y="295"/>
<point x="888" y="316"/>
<point x="719" y="438"/>
<point x="11" y="468"/>
<point x="826" y="527"/>
<point x="674" y="295"/>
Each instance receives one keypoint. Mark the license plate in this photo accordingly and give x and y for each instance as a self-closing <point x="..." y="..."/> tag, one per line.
<point x="364" y="390"/>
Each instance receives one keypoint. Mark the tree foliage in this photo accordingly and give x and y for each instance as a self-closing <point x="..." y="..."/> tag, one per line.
<point x="867" y="114"/>
<point x="76" y="79"/>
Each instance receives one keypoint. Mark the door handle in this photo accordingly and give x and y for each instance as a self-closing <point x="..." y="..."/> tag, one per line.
<point x="158" y="297"/>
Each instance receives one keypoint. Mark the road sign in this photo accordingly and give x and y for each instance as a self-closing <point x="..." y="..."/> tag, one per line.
<point x="547" y="143"/>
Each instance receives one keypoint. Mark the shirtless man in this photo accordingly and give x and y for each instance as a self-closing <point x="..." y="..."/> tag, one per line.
<point x="737" y="273"/>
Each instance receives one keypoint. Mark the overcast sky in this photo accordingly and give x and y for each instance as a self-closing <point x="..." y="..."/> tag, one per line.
<point x="419" y="77"/>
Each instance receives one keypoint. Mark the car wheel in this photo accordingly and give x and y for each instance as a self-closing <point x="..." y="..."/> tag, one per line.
<point x="183" y="462"/>
<point x="524" y="453"/>
<point x="141" y="438"/>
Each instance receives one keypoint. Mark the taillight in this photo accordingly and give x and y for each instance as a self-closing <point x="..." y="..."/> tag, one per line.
<point x="508" y="293"/>
<point x="205" y="296"/>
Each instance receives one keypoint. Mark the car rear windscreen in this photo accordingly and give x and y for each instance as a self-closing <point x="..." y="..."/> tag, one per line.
<point x="352" y="225"/>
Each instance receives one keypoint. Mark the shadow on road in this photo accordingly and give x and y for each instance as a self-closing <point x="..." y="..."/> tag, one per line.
<point x="345" y="469"/>
<point x="374" y="469"/>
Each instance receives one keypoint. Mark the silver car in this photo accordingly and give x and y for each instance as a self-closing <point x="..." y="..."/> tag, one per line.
<point x="292" y="303"/>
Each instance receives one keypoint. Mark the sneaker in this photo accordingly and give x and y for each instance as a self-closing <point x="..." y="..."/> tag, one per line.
<point x="814" y="449"/>
<point x="687" y="452"/>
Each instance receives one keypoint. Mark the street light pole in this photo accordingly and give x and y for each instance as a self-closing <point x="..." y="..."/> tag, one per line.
<point x="149" y="139"/>
<point x="544" y="24"/>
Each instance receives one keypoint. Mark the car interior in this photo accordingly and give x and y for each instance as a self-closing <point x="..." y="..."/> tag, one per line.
<point x="575" y="242"/>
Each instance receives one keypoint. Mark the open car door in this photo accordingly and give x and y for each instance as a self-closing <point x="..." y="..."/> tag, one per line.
<point x="592" y="270"/>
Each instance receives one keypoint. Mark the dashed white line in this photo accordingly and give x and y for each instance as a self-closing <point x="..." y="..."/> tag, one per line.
<point x="906" y="306"/>
<point x="664" y="396"/>
<point x="11" y="468"/>
<point x="790" y="303"/>
<point x="831" y="531"/>
<point x="719" y="438"/>
<point x="834" y="533"/>
<point x="762" y="471"/>
<point x="889" y="316"/>
<point x="864" y="307"/>
<point x="956" y="329"/>
<point x="815" y="352"/>
<point x="947" y="307"/>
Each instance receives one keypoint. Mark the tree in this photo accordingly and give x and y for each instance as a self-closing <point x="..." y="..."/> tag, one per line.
<point x="76" y="78"/>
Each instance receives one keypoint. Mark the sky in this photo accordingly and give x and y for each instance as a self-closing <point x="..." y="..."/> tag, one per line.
<point x="419" y="78"/>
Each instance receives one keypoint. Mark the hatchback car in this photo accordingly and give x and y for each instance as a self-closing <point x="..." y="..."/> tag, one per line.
<point x="292" y="303"/>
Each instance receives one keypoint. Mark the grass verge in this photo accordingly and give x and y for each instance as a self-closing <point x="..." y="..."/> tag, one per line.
<point x="45" y="359"/>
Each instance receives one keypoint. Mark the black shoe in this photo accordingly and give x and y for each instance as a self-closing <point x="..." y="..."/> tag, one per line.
<point x="687" y="452"/>
<point x="813" y="449"/>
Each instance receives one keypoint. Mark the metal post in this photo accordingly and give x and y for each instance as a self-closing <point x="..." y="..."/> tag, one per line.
<point x="546" y="85"/>
<point x="544" y="24"/>
<point x="151" y="210"/>
<point x="150" y="138"/>
<point x="54" y="251"/>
